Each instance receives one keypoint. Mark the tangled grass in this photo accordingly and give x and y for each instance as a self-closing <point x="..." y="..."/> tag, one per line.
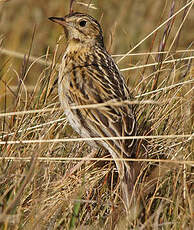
<point x="51" y="179"/>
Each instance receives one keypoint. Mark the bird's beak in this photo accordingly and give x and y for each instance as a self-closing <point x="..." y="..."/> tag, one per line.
<point x="60" y="21"/>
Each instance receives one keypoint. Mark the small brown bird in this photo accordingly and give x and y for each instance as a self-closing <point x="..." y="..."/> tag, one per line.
<point x="88" y="75"/>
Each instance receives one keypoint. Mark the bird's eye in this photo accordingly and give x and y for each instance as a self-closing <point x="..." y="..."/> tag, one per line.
<point x="82" y="23"/>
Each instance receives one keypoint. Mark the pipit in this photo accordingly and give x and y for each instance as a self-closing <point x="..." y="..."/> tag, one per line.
<point x="88" y="75"/>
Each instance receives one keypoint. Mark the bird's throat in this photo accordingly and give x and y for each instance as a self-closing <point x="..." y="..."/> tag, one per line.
<point x="75" y="47"/>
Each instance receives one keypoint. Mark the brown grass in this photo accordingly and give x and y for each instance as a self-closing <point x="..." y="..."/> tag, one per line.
<point x="43" y="185"/>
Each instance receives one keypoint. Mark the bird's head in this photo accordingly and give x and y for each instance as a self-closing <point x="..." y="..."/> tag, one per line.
<point x="81" y="28"/>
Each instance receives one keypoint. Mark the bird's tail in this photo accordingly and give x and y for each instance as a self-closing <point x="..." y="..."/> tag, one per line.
<point x="128" y="182"/>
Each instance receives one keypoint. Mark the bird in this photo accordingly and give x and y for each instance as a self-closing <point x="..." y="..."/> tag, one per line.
<point x="89" y="75"/>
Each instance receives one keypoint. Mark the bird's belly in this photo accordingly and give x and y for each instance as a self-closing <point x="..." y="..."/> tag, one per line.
<point x="71" y="114"/>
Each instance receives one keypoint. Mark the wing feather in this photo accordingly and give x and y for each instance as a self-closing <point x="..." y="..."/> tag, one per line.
<point x="104" y="83"/>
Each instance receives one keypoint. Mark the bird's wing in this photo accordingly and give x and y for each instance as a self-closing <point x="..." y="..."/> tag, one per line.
<point x="95" y="84"/>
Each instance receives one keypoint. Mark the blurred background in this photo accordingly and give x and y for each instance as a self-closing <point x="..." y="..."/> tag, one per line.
<point x="24" y="28"/>
<point x="36" y="191"/>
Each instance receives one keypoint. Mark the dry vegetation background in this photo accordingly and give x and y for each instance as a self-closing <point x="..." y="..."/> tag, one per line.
<point x="39" y="190"/>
